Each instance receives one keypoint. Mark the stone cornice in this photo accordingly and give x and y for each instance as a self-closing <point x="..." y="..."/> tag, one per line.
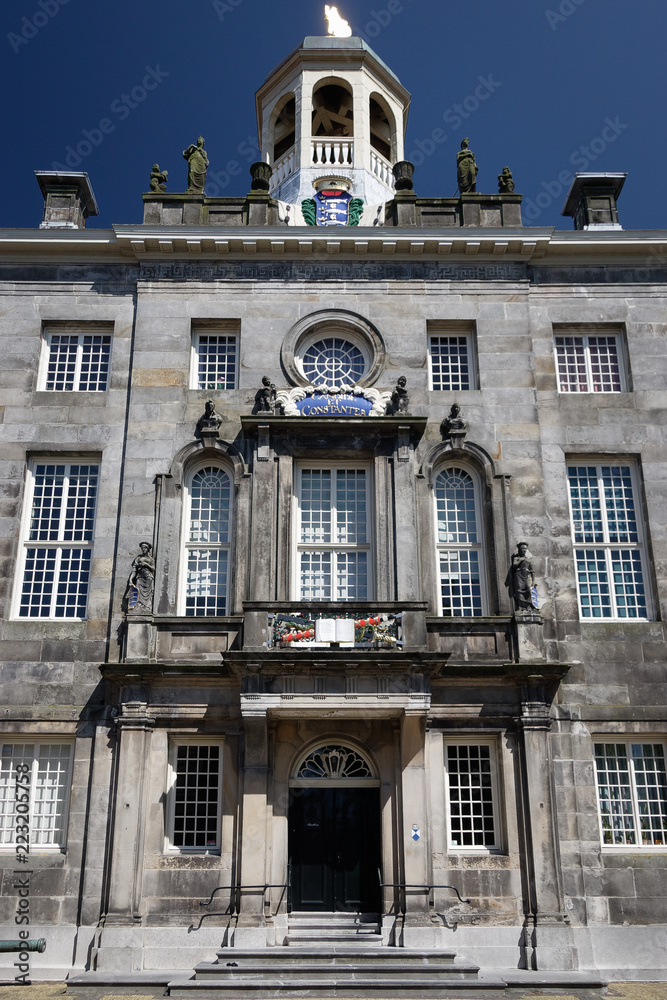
<point x="460" y="248"/>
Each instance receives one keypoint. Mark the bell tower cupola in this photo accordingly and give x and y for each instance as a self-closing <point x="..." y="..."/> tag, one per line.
<point x="332" y="109"/>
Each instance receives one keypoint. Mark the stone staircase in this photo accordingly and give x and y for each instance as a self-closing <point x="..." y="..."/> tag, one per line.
<point x="330" y="970"/>
<point x="348" y="929"/>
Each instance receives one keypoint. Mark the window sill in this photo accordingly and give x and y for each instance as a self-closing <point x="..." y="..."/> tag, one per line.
<point x="69" y="397"/>
<point x="634" y="849"/>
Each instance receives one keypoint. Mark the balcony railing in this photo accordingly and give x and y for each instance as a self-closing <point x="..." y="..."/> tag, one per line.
<point x="382" y="168"/>
<point x="283" y="168"/>
<point x="332" y="152"/>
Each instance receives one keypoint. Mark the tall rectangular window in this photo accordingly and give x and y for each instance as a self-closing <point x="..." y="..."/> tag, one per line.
<point x="35" y="780"/>
<point x="459" y="543"/>
<point x="58" y="547"/>
<point x="608" y="542"/>
<point x="207" y="542"/>
<point x="195" y="796"/>
<point x="76" y="362"/>
<point x="334" y="534"/>
<point x="451" y="362"/>
<point x="215" y="361"/>
<point x="472" y="796"/>
<point x="589" y="363"/>
<point x="632" y="793"/>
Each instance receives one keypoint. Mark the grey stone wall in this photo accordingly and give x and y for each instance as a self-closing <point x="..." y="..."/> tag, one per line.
<point x="143" y="426"/>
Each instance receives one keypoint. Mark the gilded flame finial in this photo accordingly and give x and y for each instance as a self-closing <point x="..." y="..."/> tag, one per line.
<point x="336" y="25"/>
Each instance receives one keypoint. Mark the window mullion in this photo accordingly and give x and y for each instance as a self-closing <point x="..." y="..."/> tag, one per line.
<point x="590" y="387"/>
<point x="79" y="362"/>
<point x="610" y="579"/>
<point x="58" y="553"/>
<point x="604" y="514"/>
<point x="64" y="506"/>
<point x="635" y="797"/>
<point x="34" y="772"/>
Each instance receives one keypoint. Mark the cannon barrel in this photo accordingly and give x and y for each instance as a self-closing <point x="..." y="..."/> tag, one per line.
<point x="33" y="944"/>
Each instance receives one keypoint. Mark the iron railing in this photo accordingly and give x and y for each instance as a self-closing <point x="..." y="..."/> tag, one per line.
<point x="236" y="891"/>
<point x="419" y="886"/>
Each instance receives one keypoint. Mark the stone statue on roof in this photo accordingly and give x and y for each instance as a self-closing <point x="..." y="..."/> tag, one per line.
<point x="197" y="166"/>
<point x="466" y="168"/>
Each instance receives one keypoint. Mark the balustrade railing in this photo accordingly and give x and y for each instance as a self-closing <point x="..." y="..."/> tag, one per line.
<point x="332" y="152"/>
<point x="283" y="168"/>
<point x="382" y="168"/>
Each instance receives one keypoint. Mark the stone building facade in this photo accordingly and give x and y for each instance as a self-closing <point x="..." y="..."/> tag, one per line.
<point x="287" y="647"/>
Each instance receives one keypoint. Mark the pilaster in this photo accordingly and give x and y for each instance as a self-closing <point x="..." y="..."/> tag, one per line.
<point x="548" y="937"/>
<point x="124" y="892"/>
<point x="415" y="827"/>
<point x="255" y="839"/>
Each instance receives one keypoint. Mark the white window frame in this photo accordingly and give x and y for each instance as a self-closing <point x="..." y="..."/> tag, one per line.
<point x="438" y="333"/>
<point x="230" y="334"/>
<point x="335" y="333"/>
<point x="479" y="546"/>
<point x="634" y="801"/>
<point x="8" y="794"/>
<point x="172" y="775"/>
<point x="585" y="338"/>
<point x="54" y="545"/>
<point x="80" y="333"/>
<point x="187" y="546"/>
<point x="471" y="740"/>
<point x="333" y="546"/>
<point x="608" y="547"/>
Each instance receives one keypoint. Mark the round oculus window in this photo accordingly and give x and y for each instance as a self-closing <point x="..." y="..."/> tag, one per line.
<point x="334" y="361"/>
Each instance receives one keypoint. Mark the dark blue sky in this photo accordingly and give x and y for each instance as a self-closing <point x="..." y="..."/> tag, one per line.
<point x="575" y="85"/>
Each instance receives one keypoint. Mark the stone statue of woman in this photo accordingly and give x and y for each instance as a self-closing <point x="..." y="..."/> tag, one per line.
<point x="197" y="166"/>
<point x="466" y="168"/>
<point x="141" y="581"/>
<point x="521" y="579"/>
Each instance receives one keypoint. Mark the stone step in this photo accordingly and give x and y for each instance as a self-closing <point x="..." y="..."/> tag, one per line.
<point x="327" y="986"/>
<point x="329" y="955"/>
<point x="353" y="938"/>
<point x="362" y="925"/>
<point x="308" y="972"/>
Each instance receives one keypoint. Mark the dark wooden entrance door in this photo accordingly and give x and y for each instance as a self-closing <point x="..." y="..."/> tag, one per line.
<point x="334" y="844"/>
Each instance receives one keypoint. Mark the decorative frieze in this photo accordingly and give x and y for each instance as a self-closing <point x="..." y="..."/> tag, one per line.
<point x="330" y="271"/>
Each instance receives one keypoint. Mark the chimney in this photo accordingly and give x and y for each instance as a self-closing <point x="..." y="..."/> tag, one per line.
<point x="68" y="199"/>
<point x="591" y="201"/>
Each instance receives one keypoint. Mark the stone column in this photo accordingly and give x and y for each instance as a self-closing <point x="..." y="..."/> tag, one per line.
<point x="118" y="948"/>
<point x="548" y="938"/>
<point x="414" y="815"/>
<point x="251" y="928"/>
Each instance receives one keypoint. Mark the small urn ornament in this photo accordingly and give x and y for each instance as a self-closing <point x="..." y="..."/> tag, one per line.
<point x="261" y="176"/>
<point x="403" y="172"/>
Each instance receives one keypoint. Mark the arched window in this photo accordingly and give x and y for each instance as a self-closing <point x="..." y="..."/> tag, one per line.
<point x="459" y="543"/>
<point x="332" y="111"/>
<point x="207" y="542"/>
<point x="381" y="129"/>
<point x="284" y="128"/>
